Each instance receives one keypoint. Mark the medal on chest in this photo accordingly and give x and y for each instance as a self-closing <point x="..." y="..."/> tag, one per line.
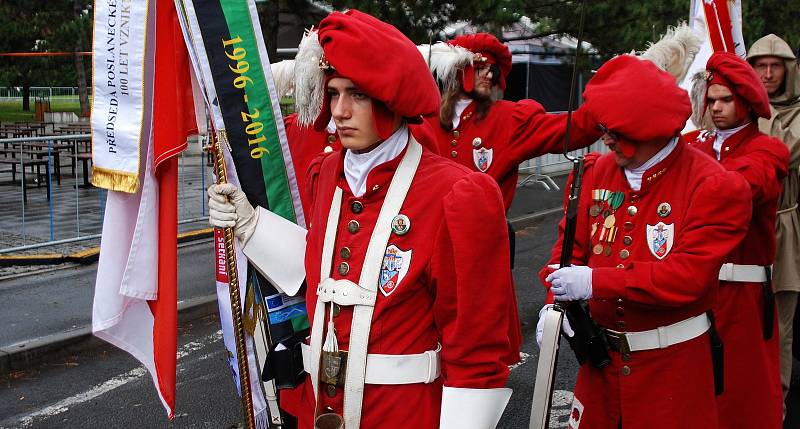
<point x="604" y="203"/>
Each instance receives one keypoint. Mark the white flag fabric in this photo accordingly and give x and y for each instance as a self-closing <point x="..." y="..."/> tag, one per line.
<point x="718" y="23"/>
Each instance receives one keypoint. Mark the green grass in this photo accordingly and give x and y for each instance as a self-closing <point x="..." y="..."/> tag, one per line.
<point x="11" y="110"/>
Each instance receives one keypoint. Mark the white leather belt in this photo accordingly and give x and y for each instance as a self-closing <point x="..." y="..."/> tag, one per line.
<point x="663" y="336"/>
<point x="394" y="369"/>
<point x="743" y="273"/>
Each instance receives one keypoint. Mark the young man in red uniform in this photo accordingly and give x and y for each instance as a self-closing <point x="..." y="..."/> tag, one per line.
<point x="397" y="278"/>
<point x="745" y="310"/>
<point x="495" y="136"/>
<point x="307" y="142"/>
<point x="656" y="219"/>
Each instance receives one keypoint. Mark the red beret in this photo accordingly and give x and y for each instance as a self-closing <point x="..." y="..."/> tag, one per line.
<point x="727" y="69"/>
<point x="488" y="46"/>
<point x="636" y="101"/>
<point x="381" y="62"/>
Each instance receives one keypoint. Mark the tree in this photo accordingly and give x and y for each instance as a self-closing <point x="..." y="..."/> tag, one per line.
<point x="614" y="27"/>
<point x="762" y="17"/>
<point x="424" y="20"/>
<point x="44" y="26"/>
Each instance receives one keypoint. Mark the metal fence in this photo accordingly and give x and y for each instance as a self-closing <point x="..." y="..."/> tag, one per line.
<point x="47" y="196"/>
<point x="15" y="92"/>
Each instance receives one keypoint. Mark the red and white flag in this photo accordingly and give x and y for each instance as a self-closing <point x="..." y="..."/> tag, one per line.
<point x="718" y="23"/>
<point x="135" y="301"/>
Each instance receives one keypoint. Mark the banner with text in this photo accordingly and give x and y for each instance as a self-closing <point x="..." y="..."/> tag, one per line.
<point x="230" y="60"/>
<point x="118" y="111"/>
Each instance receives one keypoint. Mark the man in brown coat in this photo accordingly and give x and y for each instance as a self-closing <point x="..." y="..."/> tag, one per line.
<point x="776" y="65"/>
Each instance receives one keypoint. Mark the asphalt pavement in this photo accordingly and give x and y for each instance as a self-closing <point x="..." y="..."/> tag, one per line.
<point x="105" y="387"/>
<point x="96" y="385"/>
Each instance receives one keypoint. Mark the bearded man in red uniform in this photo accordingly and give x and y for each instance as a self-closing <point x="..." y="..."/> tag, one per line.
<point x="399" y="289"/>
<point x="745" y="308"/>
<point x="495" y="136"/>
<point x="656" y="219"/>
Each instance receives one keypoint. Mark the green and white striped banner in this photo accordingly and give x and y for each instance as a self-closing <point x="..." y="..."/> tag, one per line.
<point x="233" y="71"/>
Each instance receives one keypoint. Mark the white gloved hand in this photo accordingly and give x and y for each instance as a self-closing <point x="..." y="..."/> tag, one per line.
<point x="571" y="283"/>
<point x="228" y="207"/>
<point x="565" y="326"/>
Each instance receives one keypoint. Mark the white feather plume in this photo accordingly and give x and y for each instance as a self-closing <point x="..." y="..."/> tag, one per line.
<point x="446" y="61"/>
<point x="309" y="78"/>
<point x="283" y="77"/>
<point x="697" y="95"/>
<point x="675" y="51"/>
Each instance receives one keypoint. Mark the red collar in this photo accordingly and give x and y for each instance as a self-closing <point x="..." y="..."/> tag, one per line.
<point x="734" y="142"/>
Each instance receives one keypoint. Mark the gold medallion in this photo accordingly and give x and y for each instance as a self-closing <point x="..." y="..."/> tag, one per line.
<point x="594" y="210"/>
<point x="610" y="220"/>
<point x="607" y="250"/>
<point x="597" y="249"/>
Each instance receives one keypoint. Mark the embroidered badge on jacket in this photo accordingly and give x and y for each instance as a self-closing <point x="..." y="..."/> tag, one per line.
<point x="660" y="238"/>
<point x="393" y="269"/>
<point x="482" y="158"/>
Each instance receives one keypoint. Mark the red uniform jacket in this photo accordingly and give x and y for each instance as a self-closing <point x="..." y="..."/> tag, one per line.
<point x="753" y="396"/>
<point x="648" y="280"/>
<point x="451" y="292"/>
<point x="509" y="134"/>
<point x="305" y="144"/>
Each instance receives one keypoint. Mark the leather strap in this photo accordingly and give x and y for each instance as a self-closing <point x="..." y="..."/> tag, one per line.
<point x="394" y="369"/>
<point x="362" y="295"/>
<point x="661" y="337"/>
<point x="788" y="209"/>
<point x="743" y="273"/>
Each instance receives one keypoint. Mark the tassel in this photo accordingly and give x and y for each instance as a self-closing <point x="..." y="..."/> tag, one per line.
<point x="330" y="344"/>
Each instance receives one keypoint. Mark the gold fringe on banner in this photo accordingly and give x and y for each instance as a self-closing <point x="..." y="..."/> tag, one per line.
<point x="115" y="180"/>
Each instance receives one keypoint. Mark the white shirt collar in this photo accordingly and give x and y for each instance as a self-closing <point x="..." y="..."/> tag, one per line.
<point x="357" y="166"/>
<point x="460" y="106"/>
<point x="722" y="135"/>
<point x="634" y="175"/>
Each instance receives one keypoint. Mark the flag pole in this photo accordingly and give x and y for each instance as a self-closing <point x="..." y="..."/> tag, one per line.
<point x="233" y="286"/>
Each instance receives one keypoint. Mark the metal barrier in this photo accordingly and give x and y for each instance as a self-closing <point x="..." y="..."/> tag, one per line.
<point x="539" y="170"/>
<point x="12" y="92"/>
<point x="71" y="210"/>
<point x="68" y="208"/>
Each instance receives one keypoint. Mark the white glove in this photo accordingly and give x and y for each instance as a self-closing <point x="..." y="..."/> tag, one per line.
<point x="228" y="207"/>
<point x="571" y="283"/>
<point x="565" y="326"/>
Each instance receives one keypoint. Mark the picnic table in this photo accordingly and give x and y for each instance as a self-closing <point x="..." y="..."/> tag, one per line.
<point x="35" y="159"/>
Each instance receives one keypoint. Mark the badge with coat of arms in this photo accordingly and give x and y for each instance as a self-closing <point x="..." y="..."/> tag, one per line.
<point x="482" y="158"/>
<point x="393" y="269"/>
<point x="660" y="238"/>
